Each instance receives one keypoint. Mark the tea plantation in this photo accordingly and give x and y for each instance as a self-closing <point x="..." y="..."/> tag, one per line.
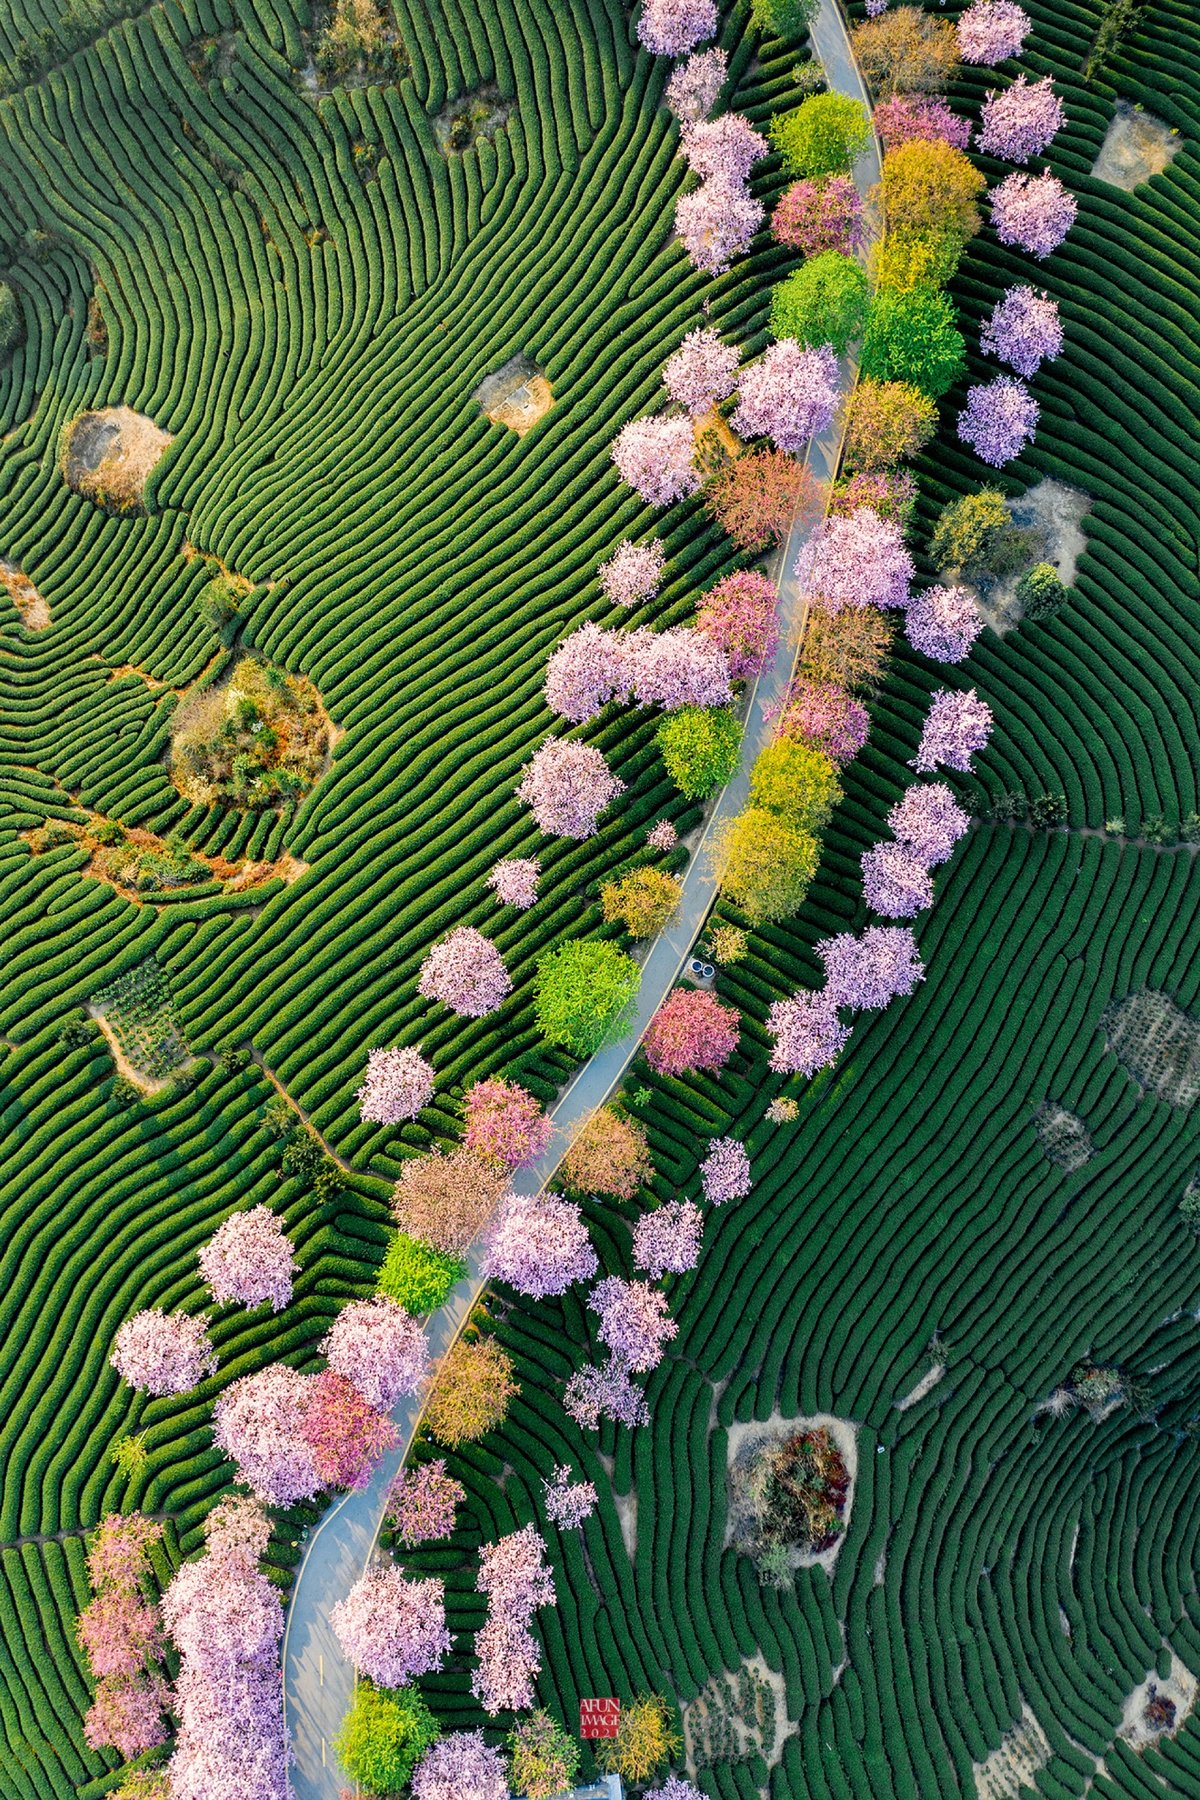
<point x="291" y="276"/>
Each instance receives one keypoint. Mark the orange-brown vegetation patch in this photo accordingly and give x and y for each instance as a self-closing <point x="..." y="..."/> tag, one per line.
<point x="517" y="395"/>
<point x="108" y="455"/>
<point x="33" y="608"/>
<point x="140" y="863"/>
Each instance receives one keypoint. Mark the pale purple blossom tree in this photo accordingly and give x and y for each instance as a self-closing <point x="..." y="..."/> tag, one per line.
<point x="675" y="1787"/>
<point x="896" y="883"/>
<point x="634" y="1322"/>
<point x="514" y="881"/>
<point x="1023" y="331"/>
<point x="249" y="1261"/>
<point x="505" y="1121"/>
<point x="808" y="1034"/>
<point x="667" y="1240"/>
<point x="739" y="616"/>
<point x="656" y="457"/>
<point x="165" y="1353"/>
<point x="871" y="970"/>
<point x="956" y="726"/>
<point x="725" y="150"/>
<point x="538" y="1244"/>
<point x="991" y="31"/>
<point x="819" y="215"/>
<point x="460" y="1767"/>
<point x="857" y="560"/>
<point x="824" y="716"/>
<point x="789" y="395"/>
<point x="1018" y="122"/>
<point x="662" y="835"/>
<point x="673" y="27"/>
<point x="568" y="1503"/>
<point x="606" y="1392"/>
<point x="588" y="669"/>
<point x="380" y="1348"/>
<point x="258" y="1422"/>
<point x="716" y="223"/>
<point x="392" y="1630"/>
<point x="943" y="623"/>
<point x="1032" y="212"/>
<point x="466" y="972"/>
<point x="928" y="821"/>
<point x="568" y="785"/>
<point x="397" y="1085"/>
<point x="633" y="572"/>
<point x="695" y="85"/>
<point x="725" y="1171"/>
<point x="702" y="371"/>
<point x="999" y="419"/>
<point x="679" y="667"/>
<point x="422" y="1502"/>
<point x="220" y="1622"/>
<point x="908" y="116"/>
<point x="513" y="1575"/>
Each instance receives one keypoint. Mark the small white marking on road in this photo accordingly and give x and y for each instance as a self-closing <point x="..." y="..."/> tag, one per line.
<point x="321" y="1661"/>
<point x="322" y="1752"/>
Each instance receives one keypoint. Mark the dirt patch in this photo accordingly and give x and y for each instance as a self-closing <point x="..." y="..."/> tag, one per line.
<point x="743" y="1439"/>
<point x="149" y="1084"/>
<point x="139" y="864"/>
<point x="1157" y="1043"/>
<point x="925" y="1386"/>
<point x="626" y="1505"/>
<point x="1065" y="1139"/>
<point x="1015" y="1761"/>
<point x="1136" y="146"/>
<point x="1169" y="1698"/>
<point x="108" y="455"/>
<point x="472" y="117"/>
<point x="736" y="1717"/>
<point x="517" y="395"/>
<point x="32" y="607"/>
<point x="1053" y="514"/>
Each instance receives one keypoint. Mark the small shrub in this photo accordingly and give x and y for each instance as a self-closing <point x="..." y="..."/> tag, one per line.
<point x="130" y="1454"/>
<point x="727" y="944"/>
<point x="418" y="1277"/>
<point x="1041" y="592"/>
<point x="12" y="328"/>
<point x="278" y="1120"/>
<point x="700" y="748"/>
<point x="233" y="1059"/>
<point x="783" y="18"/>
<point x="976" y="537"/>
<point x="77" y="1033"/>
<point x="1189" y="1206"/>
<point x="124" y="1093"/>
<point x="1048" y="810"/>
<point x="217" y="604"/>
<point x="302" y="1157"/>
<point x="1156" y="830"/>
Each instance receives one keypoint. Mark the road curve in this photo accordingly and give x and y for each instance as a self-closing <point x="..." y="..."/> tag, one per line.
<point x="318" y="1682"/>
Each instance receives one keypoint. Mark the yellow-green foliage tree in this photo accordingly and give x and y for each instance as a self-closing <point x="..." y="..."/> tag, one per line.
<point x="905" y="51"/>
<point x="930" y="191"/>
<point x="798" y="782"/>
<point x="766" y="864"/>
<point x="646" y="1739"/>
<point x="642" y="901"/>
<point x="890" y="422"/>
<point x="471" y="1394"/>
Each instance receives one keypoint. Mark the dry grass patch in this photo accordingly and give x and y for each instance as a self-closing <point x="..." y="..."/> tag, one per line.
<point x="1136" y="146"/>
<point x="517" y="395"/>
<point x="33" y="608"/>
<point x="108" y="456"/>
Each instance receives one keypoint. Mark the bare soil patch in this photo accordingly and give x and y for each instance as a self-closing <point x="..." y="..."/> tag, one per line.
<point x="925" y="1386"/>
<point x="141" y="864"/>
<point x="1065" y="1139"/>
<point x="1053" y="514"/>
<point x="1015" y="1761"/>
<point x="149" y="1084"/>
<point x="517" y="395"/>
<point x="108" y="455"/>
<point x="465" y="121"/>
<point x="1136" y="146"/>
<point x="33" y="608"/>
<point x="1157" y="1043"/>
<point x="745" y="1438"/>
<point x="1158" y="1706"/>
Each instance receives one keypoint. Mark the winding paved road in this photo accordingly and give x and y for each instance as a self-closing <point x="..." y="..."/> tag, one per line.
<point x="318" y="1682"/>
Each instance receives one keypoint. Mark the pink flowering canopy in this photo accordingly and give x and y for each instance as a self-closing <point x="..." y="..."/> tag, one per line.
<point x="222" y="1622"/>
<point x="506" y="1122"/>
<point x="673" y="27"/>
<point x="606" y="1392"/>
<point x="392" y="1630"/>
<point x="999" y="419"/>
<point x="1032" y="212"/>
<point x="422" y="1502"/>
<point x="871" y="970"/>
<point x="943" y="623"/>
<point x="514" y="881"/>
<point x="675" y="1787"/>
<point x="633" y="572"/>
<point x="634" y="1322"/>
<point x="716" y="223"/>
<point x="460" y="1767"/>
<point x="856" y="560"/>
<point x="928" y="821"/>
<point x="1017" y="123"/>
<point x="588" y="669"/>
<point x="823" y="715"/>
<point x="896" y="883"/>
<point x="118" y="1553"/>
<point x="667" y="1240"/>
<point x="725" y="1171"/>
<point x="788" y="396"/>
<point x="165" y="1353"/>
<point x="118" y="1631"/>
<point x="258" y="1423"/>
<point x="1023" y="330"/>
<point x="656" y="457"/>
<point x="568" y="1503"/>
<point x="808" y="1034"/>
<point x="694" y="86"/>
<point x="465" y="972"/>
<point x="956" y="725"/>
<point x="815" y="216"/>
<point x="344" y="1432"/>
<point x="739" y="617"/>
<point x="991" y="31"/>
<point x="906" y="117"/>
<point x="568" y="785"/>
<point x="397" y="1085"/>
<point x="662" y="835"/>
<point x="514" y="1576"/>
<point x="249" y="1261"/>
<point x="679" y="667"/>
<point x="702" y="371"/>
<point x="538" y="1244"/>
<point x="376" y="1345"/>
<point x="725" y="150"/>
<point x="691" y="1030"/>
<point x="127" y="1713"/>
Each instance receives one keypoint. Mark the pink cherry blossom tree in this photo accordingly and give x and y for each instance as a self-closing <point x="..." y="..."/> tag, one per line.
<point x="956" y="726"/>
<point x="1033" y="212"/>
<point x="460" y="1767"/>
<point x="725" y="1171"/>
<point x="249" y="1261"/>
<point x="1023" y="330"/>
<point x="928" y="821"/>
<point x="506" y="1122"/>
<point x="119" y="1631"/>
<point x="673" y="27"/>
<point x="568" y="785"/>
<point x="392" y="1630"/>
<point x="717" y="223"/>
<point x="824" y="716"/>
<point x="605" y="1392"/>
<point x="908" y="116"/>
<point x="633" y="572"/>
<point x="679" y="667"/>
<point x="538" y="1244"/>
<point x="999" y="419"/>
<point x="662" y="835"/>
<point x="589" y="668"/>
<point x="815" y="216"/>
<point x="1018" y="122"/>
<point x="634" y="1322"/>
<point x="422" y="1502"/>
<point x="377" y="1346"/>
<point x="127" y="1713"/>
<point x="398" y="1084"/>
<point x="695" y="85"/>
<point x="869" y="971"/>
<point x="165" y="1353"/>
<point x="514" y="881"/>
<point x="513" y="1575"/>
<point x="465" y="972"/>
<point x="789" y="395"/>
<point x="725" y="150"/>
<point x="344" y="1432"/>
<point x="691" y="1030"/>
<point x="667" y="1240"/>
<point x="258" y="1423"/>
<point x="808" y="1034"/>
<point x="568" y="1503"/>
<point x="655" y="457"/>
<point x="702" y="371"/>
<point x="991" y="31"/>
<point x="943" y="623"/>
<point x="896" y="883"/>
<point x="858" y="560"/>
<point x="739" y="616"/>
